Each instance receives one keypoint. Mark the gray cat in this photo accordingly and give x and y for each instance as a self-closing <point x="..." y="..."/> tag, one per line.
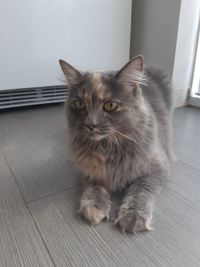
<point x="120" y="130"/>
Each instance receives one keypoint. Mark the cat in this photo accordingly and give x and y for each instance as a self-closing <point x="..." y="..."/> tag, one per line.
<point x="120" y="130"/>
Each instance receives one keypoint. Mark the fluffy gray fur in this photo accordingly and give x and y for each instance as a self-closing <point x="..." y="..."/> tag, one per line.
<point x="124" y="151"/>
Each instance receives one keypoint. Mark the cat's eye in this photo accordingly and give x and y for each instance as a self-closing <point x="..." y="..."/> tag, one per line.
<point x="79" y="105"/>
<point x="110" y="106"/>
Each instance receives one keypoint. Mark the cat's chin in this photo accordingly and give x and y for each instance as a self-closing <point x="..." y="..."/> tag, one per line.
<point x="96" y="137"/>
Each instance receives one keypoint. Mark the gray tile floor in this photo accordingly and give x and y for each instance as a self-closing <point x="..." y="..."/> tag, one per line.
<point x="39" y="192"/>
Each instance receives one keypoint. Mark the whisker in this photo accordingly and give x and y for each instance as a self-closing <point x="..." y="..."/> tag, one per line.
<point x="126" y="136"/>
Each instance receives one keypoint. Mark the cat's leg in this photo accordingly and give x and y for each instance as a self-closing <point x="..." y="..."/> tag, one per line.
<point x="95" y="203"/>
<point x="135" y="212"/>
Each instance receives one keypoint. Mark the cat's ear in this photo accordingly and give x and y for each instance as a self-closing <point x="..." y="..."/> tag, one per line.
<point x="132" y="72"/>
<point x="72" y="75"/>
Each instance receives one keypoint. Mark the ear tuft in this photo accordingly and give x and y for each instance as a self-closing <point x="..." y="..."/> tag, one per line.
<point x="72" y="75"/>
<point x="132" y="72"/>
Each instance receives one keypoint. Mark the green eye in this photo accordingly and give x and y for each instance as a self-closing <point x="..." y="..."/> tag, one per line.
<point x="79" y="105"/>
<point x="110" y="106"/>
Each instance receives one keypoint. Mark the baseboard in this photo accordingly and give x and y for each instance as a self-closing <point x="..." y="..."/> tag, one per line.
<point x="180" y="97"/>
<point x="194" y="101"/>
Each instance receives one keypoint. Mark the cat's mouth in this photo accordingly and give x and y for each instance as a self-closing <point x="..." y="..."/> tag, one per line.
<point x="96" y="136"/>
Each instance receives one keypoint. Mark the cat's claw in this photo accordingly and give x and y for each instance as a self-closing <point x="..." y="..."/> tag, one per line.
<point x="107" y="217"/>
<point x="123" y="231"/>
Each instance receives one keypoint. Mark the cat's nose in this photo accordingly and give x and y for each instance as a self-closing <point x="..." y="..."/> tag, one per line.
<point x="91" y="126"/>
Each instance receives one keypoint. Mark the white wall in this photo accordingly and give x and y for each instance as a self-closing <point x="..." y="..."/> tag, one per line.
<point x="154" y="31"/>
<point x="91" y="34"/>
<point x="185" y="49"/>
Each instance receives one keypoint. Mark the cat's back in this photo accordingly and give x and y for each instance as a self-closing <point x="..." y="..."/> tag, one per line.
<point x="158" y="94"/>
<point x="158" y="88"/>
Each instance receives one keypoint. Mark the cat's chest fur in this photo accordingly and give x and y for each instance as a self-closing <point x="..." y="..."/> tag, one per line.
<point x="92" y="164"/>
<point x="107" y="166"/>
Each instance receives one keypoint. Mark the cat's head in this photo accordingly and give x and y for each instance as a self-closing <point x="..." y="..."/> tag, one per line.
<point x="100" y="104"/>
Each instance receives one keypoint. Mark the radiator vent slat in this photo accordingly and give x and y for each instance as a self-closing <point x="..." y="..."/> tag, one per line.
<point x="3" y="93"/>
<point x="33" y="96"/>
<point x="15" y="97"/>
<point x="31" y="100"/>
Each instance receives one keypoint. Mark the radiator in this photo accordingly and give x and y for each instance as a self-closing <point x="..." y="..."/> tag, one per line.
<point x="32" y="96"/>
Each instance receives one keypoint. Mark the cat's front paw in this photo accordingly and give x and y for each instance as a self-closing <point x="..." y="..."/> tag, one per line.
<point x="92" y="214"/>
<point x="95" y="205"/>
<point x="132" y="221"/>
